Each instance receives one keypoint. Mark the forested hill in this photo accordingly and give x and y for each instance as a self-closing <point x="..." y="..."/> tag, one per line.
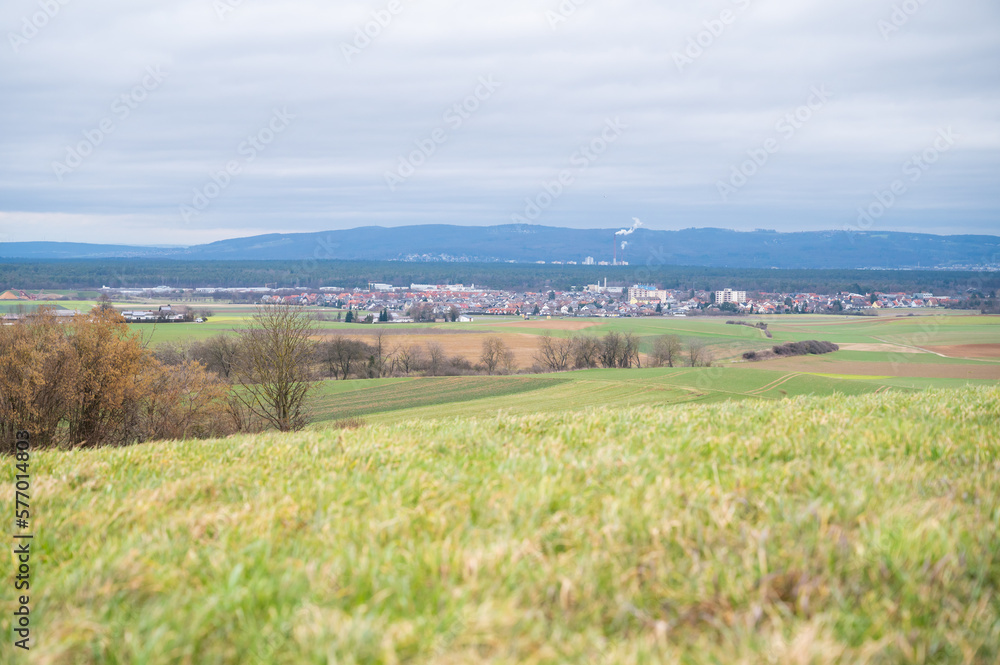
<point x="530" y="244"/>
<point x="147" y="273"/>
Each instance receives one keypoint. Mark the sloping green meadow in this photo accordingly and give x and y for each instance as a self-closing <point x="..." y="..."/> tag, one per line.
<point x="930" y="327"/>
<point x="807" y="530"/>
<point x="397" y="400"/>
<point x="351" y="399"/>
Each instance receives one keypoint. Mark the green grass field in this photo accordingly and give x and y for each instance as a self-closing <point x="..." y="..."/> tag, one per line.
<point x="925" y="328"/>
<point x="349" y="399"/>
<point x="819" y="530"/>
<point x="397" y="400"/>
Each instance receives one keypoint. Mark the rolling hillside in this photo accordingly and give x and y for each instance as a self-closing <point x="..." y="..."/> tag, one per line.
<point x="810" y="530"/>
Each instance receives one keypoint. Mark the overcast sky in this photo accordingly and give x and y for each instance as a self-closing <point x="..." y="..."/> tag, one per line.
<point x="121" y="117"/>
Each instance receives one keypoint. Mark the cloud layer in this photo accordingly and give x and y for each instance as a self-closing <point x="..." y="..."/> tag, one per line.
<point x="157" y="122"/>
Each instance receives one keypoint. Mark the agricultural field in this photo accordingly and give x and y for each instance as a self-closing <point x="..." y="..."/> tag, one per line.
<point x="896" y="350"/>
<point x="399" y="400"/>
<point x="923" y="331"/>
<point x="857" y="529"/>
<point x="876" y="355"/>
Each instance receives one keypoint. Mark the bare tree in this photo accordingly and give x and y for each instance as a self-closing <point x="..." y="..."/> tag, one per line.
<point x="586" y="352"/>
<point x="496" y="355"/>
<point x="407" y="358"/>
<point x="217" y="354"/>
<point x="507" y="362"/>
<point x="171" y="354"/>
<point x="698" y="354"/>
<point x="186" y="401"/>
<point x="340" y="356"/>
<point x="352" y="354"/>
<point x="612" y="346"/>
<point x="630" y="351"/>
<point x="554" y="353"/>
<point x="381" y="356"/>
<point x="666" y="350"/>
<point x="273" y="372"/>
<point x="437" y="359"/>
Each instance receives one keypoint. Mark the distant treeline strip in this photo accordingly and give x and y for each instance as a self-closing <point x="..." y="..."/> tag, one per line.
<point x="310" y="274"/>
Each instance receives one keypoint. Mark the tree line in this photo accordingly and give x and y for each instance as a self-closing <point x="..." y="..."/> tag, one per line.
<point x="617" y="350"/>
<point x="144" y="273"/>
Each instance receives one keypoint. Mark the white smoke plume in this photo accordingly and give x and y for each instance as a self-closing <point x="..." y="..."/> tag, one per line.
<point x="624" y="244"/>
<point x="630" y="231"/>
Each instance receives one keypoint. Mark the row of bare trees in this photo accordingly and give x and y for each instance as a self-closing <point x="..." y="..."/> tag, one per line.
<point x="337" y="356"/>
<point x="342" y="358"/>
<point x="558" y="354"/>
<point x="672" y="351"/>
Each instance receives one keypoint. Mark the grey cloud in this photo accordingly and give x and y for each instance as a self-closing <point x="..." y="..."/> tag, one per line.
<point x="688" y="127"/>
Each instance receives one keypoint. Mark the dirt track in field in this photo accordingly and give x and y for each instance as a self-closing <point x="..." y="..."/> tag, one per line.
<point x="987" y="351"/>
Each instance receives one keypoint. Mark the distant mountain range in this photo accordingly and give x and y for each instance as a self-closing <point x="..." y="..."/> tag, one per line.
<point x="530" y="244"/>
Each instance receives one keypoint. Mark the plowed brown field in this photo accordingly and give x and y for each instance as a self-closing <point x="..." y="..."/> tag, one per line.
<point x="968" y="350"/>
<point x="468" y="345"/>
<point x="552" y="325"/>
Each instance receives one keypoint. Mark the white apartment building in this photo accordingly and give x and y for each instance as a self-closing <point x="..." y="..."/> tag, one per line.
<point x="729" y="295"/>
<point x="641" y="293"/>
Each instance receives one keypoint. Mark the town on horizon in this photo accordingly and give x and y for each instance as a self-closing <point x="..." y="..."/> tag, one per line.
<point x="458" y="302"/>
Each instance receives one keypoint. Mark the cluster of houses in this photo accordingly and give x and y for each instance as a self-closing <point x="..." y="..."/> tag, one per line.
<point x="816" y="303"/>
<point x="461" y="303"/>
